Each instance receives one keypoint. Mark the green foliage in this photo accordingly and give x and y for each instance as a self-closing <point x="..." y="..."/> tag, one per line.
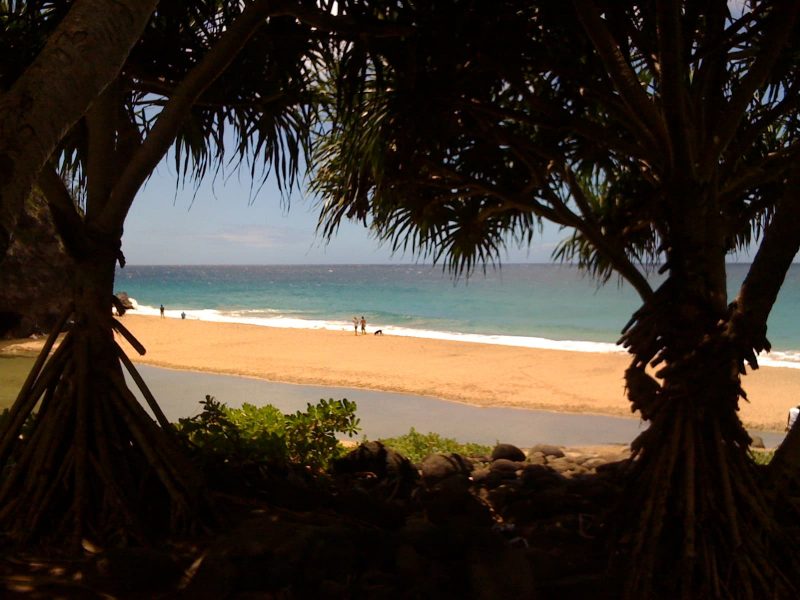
<point x="310" y="435"/>
<point x="416" y="446"/>
<point x="762" y="457"/>
<point x="264" y="434"/>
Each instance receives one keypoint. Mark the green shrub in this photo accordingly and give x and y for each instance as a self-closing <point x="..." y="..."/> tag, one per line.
<point x="416" y="446"/>
<point x="264" y="434"/>
<point x="762" y="457"/>
<point x="311" y="435"/>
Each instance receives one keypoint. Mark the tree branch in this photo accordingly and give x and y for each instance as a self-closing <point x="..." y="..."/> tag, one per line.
<point x="610" y="248"/>
<point x="766" y="119"/>
<point x="774" y="39"/>
<point x="757" y="295"/>
<point x="674" y="79"/>
<point x="67" y="220"/>
<point x="101" y="164"/>
<point x="168" y="123"/>
<point x="624" y="79"/>
<point x="770" y="168"/>
<point x="56" y="90"/>
<point x="708" y="81"/>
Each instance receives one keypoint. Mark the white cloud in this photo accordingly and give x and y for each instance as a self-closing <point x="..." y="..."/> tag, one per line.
<point x="257" y="237"/>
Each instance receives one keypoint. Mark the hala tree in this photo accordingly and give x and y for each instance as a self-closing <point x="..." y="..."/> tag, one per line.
<point x="205" y="73"/>
<point x="660" y="134"/>
<point x="80" y="58"/>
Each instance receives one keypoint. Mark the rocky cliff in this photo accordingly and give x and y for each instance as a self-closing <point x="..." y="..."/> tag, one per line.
<point x="35" y="274"/>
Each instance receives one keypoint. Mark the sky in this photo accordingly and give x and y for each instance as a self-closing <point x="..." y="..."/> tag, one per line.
<point x="219" y="225"/>
<point x="223" y="223"/>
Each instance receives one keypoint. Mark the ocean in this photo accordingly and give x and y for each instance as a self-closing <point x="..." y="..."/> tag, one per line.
<point x="530" y="305"/>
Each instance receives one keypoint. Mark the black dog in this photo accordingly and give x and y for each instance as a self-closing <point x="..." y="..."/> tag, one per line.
<point x="379" y="332"/>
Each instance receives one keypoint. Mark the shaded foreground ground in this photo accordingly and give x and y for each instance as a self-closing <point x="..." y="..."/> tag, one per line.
<point x="510" y="525"/>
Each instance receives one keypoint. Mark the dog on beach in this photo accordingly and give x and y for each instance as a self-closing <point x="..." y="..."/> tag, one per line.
<point x="379" y="332"/>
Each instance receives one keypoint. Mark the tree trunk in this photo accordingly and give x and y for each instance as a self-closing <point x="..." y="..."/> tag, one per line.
<point x="83" y="55"/>
<point x="705" y="527"/>
<point x="91" y="463"/>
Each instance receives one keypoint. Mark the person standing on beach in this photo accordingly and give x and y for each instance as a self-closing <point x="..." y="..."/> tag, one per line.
<point x="355" y="325"/>
<point x="363" y="325"/>
<point x="794" y="412"/>
<point x="162" y="311"/>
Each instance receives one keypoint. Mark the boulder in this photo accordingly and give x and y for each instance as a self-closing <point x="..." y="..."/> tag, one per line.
<point x="127" y="302"/>
<point x="389" y="469"/>
<point x="507" y="451"/>
<point x="563" y="464"/>
<point x="547" y="450"/>
<point x="536" y="458"/>
<point x="756" y="441"/>
<point x="437" y="467"/>
<point x="506" y="468"/>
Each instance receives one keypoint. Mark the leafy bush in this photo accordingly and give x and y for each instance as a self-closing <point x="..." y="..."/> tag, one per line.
<point x="416" y="446"/>
<point x="311" y="435"/>
<point x="762" y="457"/>
<point x="264" y="434"/>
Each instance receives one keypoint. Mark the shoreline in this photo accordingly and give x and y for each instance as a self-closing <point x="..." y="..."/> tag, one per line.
<point x="473" y="374"/>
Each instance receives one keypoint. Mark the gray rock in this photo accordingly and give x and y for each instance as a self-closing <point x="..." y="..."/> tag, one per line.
<point x="757" y="441"/>
<point x="507" y="451"/>
<point x="481" y="475"/>
<point x="392" y="470"/>
<point x="547" y="450"/>
<point x="505" y="467"/>
<point x="562" y="464"/>
<point x="376" y="458"/>
<point x="35" y="274"/>
<point x="540" y="476"/>
<point x="437" y="467"/>
<point x="593" y="463"/>
<point x="125" y="300"/>
<point x="536" y="458"/>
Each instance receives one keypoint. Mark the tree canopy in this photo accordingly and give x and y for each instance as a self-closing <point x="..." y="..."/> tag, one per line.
<point x="659" y="135"/>
<point x="202" y="73"/>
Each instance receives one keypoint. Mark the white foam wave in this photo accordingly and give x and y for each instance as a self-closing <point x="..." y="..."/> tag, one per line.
<point x="776" y="358"/>
<point x="282" y="321"/>
<point x="784" y="359"/>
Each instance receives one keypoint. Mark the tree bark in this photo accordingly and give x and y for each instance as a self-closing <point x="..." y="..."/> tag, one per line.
<point x="693" y="484"/>
<point x="83" y="55"/>
<point x="92" y="463"/>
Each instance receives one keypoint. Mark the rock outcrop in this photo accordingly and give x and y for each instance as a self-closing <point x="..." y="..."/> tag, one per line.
<point x="35" y="274"/>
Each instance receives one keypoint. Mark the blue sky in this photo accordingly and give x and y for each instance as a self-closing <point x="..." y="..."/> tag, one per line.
<point x="219" y="225"/>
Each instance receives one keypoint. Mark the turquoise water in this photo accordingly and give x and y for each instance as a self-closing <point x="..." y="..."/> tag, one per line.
<point x="526" y="305"/>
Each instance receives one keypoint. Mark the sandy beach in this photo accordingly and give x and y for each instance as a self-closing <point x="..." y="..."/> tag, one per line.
<point x="478" y="374"/>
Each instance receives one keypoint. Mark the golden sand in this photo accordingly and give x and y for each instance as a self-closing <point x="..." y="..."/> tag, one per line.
<point x="479" y="374"/>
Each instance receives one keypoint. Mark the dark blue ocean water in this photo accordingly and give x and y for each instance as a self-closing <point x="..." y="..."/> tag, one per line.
<point x="527" y="305"/>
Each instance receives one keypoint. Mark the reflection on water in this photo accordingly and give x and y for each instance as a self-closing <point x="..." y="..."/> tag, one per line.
<point x="385" y="414"/>
<point x="382" y="414"/>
